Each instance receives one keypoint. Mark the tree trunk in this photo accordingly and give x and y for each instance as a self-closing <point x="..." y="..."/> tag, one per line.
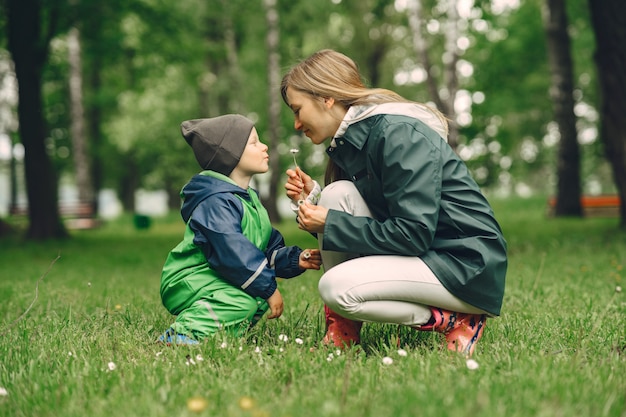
<point x="451" y="57"/>
<point x="609" y="23"/>
<point x="29" y="50"/>
<point x="273" y="75"/>
<point x="79" y="140"/>
<point x="561" y="93"/>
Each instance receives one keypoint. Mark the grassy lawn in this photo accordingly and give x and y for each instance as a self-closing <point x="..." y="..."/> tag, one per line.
<point x="78" y="320"/>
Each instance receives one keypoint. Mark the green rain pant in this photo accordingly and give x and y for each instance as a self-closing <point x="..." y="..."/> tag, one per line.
<point x="215" y="308"/>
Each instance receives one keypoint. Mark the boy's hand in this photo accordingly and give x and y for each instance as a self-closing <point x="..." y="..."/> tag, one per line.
<point x="310" y="259"/>
<point x="276" y="305"/>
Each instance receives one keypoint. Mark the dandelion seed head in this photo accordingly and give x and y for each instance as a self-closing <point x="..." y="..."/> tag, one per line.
<point x="111" y="366"/>
<point x="159" y="354"/>
<point x="89" y="284"/>
<point x="337" y="352"/>
<point x="294" y="150"/>
<point x="283" y="337"/>
<point x="240" y="348"/>
<point x="402" y="352"/>
<point x="199" y="358"/>
<point x="257" y="349"/>
<point x="329" y="359"/>
<point x="3" y="392"/>
<point x="618" y="289"/>
<point x="281" y="350"/>
<point x="299" y="341"/>
<point x="471" y="364"/>
<point x="387" y="360"/>
<point x="223" y="345"/>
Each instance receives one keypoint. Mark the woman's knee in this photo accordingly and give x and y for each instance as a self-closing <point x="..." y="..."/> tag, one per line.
<point x="344" y="196"/>
<point x="334" y="293"/>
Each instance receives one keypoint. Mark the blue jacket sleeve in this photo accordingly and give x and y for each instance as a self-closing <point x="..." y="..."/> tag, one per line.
<point x="284" y="259"/>
<point x="216" y="224"/>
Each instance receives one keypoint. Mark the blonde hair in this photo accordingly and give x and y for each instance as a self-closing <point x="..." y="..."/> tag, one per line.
<point x="331" y="74"/>
<point x="328" y="73"/>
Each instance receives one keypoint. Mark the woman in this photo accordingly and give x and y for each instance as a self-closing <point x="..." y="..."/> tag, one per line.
<point x="405" y="233"/>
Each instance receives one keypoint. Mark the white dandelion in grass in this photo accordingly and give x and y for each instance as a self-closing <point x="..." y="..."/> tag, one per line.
<point x="471" y="364"/>
<point x="199" y="358"/>
<point x="257" y="350"/>
<point x="224" y="345"/>
<point x="387" y="360"/>
<point x="111" y="366"/>
<point x="3" y="392"/>
<point x="189" y="361"/>
<point x="283" y="338"/>
<point x="299" y="341"/>
<point x="402" y="352"/>
<point x="618" y="289"/>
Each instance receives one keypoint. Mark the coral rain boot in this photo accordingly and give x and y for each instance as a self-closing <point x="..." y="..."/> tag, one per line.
<point x="340" y="331"/>
<point x="462" y="330"/>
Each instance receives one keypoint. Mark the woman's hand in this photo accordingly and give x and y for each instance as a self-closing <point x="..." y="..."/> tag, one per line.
<point x="276" y="305"/>
<point x="310" y="259"/>
<point x="298" y="185"/>
<point x="312" y="218"/>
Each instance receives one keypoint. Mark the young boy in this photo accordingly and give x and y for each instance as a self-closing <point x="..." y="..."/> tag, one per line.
<point x="222" y="276"/>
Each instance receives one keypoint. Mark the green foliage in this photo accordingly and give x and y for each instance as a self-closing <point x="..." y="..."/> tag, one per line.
<point x="558" y="349"/>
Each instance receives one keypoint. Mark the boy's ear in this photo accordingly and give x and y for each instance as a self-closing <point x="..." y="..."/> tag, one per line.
<point x="329" y="101"/>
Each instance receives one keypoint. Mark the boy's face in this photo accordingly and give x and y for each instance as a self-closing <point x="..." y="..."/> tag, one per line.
<point x="254" y="159"/>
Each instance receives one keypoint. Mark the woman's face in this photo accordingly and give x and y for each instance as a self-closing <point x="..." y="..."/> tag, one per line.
<point x="318" y="118"/>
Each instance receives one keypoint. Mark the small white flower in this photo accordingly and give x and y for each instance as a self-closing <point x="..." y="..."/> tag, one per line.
<point x="199" y="358"/>
<point x="223" y="345"/>
<point x="337" y="352"/>
<point x="329" y="359"/>
<point x="299" y="341"/>
<point x="257" y="349"/>
<point x="294" y="150"/>
<point x="283" y="337"/>
<point x="387" y="360"/>
<point x="89" y="284"/>
<point x="471" y="364"/>
<point x="331" y="356"/>
<point x="618" y="289"/>
<point x="240" y="348"/>
<point x="3" y="392"/>
<point x="111" y="366"/>
<point x="190" y="361"/>
<point x="69" y="353"/>
<point x="159" y="354"/>
<point x="402" y="352"/>
<point x="281" y="350"/>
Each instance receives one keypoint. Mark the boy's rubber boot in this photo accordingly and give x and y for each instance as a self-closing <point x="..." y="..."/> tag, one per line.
<point x="340" y="331"/>
<point x="462" y="330"/>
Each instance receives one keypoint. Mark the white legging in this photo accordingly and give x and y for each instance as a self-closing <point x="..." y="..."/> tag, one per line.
<point x="379" y="288"/>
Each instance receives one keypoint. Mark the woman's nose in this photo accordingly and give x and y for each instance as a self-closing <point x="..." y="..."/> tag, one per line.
<point x="297" y="124"/>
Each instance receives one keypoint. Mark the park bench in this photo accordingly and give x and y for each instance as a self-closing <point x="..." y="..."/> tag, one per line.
<point x="594" y="206"/>
<point x="75" y="215"/>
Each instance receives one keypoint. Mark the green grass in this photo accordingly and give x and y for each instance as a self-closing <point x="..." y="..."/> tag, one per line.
<point x="559" y="349"/>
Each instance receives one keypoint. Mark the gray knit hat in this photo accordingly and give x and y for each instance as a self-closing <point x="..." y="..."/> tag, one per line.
<point x="218" y="142"/>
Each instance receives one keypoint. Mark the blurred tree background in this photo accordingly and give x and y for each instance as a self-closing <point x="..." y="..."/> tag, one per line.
<point x="144" y="66"/>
